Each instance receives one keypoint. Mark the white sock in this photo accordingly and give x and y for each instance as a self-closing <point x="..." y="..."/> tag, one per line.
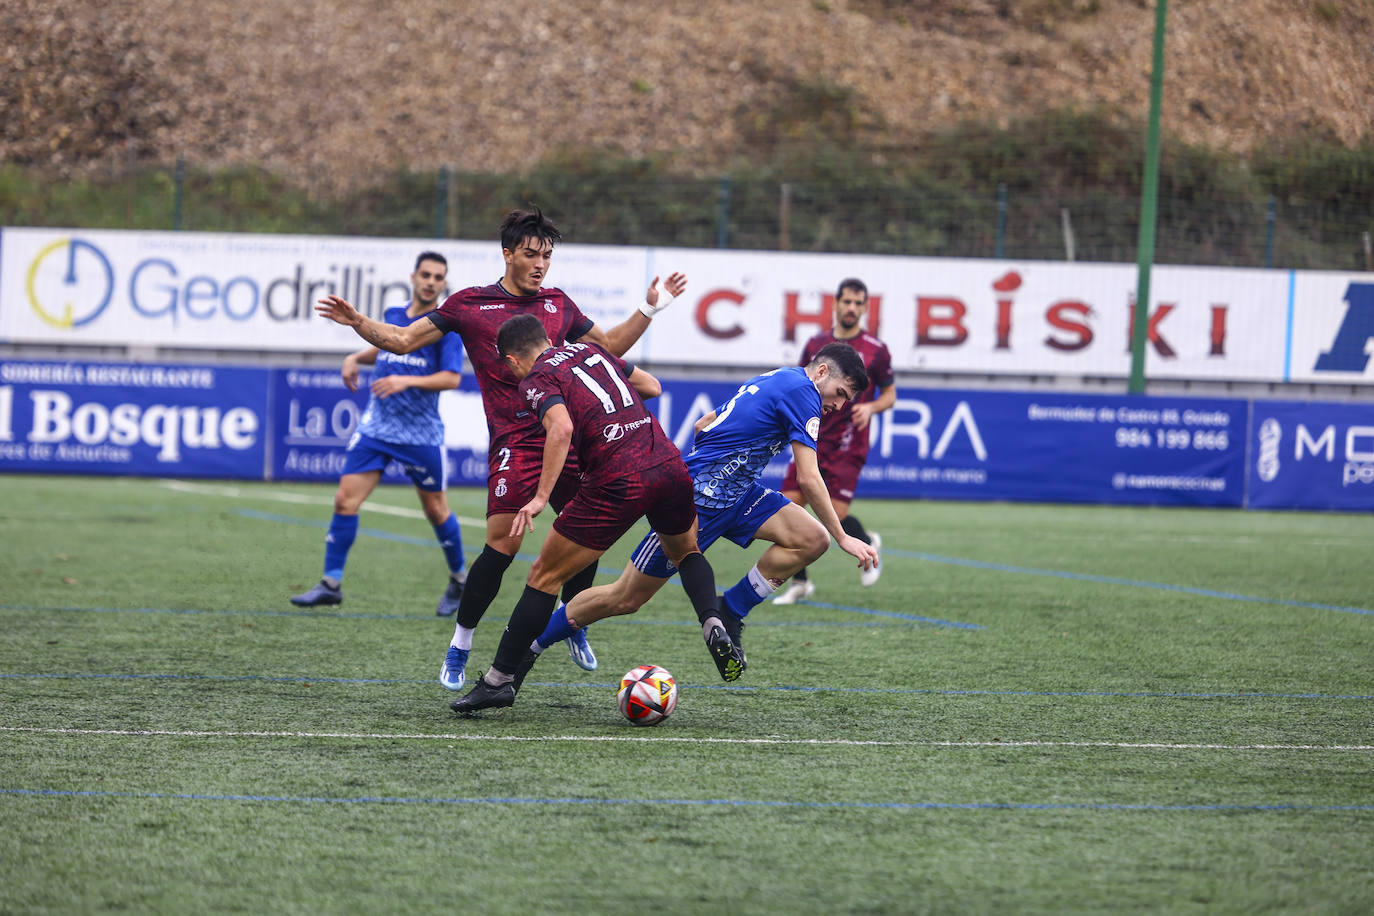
<point x="462" y="638"/>
<point x="709" y="623"/>
<point x="535" y="647"/>
<point x="762" y="585"/>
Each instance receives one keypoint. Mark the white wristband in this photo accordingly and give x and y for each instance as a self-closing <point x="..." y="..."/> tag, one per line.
<point x="665" y="299"/>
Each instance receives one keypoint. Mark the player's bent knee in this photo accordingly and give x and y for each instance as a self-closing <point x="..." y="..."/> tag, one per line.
<point x="815" y="543"/>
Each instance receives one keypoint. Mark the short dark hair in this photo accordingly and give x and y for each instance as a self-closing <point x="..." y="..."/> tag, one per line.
<point x="853" y="283"/>
<point x="528" y="224"/>
<point x="431" y="256"/>
<point x="845" y="362"/>
<point x="520" y="334"/>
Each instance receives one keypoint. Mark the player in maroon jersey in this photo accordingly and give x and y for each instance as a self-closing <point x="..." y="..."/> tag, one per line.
<point x="514" y="452"/>
<point x="630" y="469"/>
<point x="842" y="446"/>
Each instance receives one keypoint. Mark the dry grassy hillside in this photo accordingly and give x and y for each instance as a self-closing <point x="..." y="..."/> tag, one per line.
<point x="332" y="91"/>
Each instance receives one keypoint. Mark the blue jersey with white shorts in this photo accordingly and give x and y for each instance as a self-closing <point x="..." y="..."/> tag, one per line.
<point x="728" y="456"/>
<point x="410" y="417"/>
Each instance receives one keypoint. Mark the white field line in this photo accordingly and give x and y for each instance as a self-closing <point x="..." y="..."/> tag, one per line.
<point x="831" y="742"/>
<point x="303" y="499"/>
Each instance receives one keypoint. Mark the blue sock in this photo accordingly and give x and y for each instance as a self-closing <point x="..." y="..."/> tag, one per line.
<point x="747" y="593"/>
<point x="558" y="629"/>
<point x="451" y="541"/>
<point x="343" y="530"/>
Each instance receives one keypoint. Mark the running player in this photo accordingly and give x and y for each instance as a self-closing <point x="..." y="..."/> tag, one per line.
<point x="843" y="442"/>
<point x="630" y="470"/>
<point x="401" y="423"/>
<point x="513" y="457"/>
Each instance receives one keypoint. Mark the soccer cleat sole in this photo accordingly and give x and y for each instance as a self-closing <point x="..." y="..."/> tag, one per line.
<point x="729" y="660"/>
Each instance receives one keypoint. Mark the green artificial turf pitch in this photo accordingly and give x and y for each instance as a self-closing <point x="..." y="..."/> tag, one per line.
<point x="1037" y="709"/>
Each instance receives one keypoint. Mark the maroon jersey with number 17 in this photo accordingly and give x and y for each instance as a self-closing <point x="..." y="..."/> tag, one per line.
<point x="475" y="314"/>
<point x="614" y="434"/>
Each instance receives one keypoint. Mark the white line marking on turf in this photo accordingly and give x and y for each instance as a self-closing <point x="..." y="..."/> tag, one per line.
<point x="841" y="742"/>
<point x="303" y="499"/>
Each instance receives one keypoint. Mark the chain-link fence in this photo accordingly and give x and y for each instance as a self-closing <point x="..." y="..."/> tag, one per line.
<point x="627" y="202"/>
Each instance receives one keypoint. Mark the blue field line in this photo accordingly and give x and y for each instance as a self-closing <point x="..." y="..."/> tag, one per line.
<point x="1113" y="580"/>
<point x="783" y="688"/>
<point x="601" y="570"/>
<point x="934" y="621"/>
<point x="929" y="557"/>
<point x="334" y="613"/>
<point x="1254" y="808"/>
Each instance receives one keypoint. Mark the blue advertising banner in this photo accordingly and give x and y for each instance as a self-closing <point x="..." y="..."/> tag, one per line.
<point x="293" y="424"/>
<point x="156" y="420"/>
<point x="1312" y="455"/>
<point x="960" y="444"/>
<point x="314" y="415"/>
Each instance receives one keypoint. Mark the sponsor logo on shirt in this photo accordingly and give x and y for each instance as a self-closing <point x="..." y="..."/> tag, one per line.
<point x="614" y="431"/>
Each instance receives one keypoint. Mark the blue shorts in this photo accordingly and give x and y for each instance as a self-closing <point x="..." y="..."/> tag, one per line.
<point x="424" y="464"/>
<point x="738" y="523"/>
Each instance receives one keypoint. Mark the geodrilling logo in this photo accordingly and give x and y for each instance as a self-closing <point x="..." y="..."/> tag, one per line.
<point x="69" y="283"/>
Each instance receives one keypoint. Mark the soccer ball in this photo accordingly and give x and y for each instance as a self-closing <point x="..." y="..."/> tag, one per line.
<point x="648" y="694"/>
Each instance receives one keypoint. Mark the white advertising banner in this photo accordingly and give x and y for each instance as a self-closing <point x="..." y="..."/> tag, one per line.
<point x="1332" y="328"/>
<point x="250" y="292"/>
<point x="741" y="309"/>
<point x="979" y="316"/>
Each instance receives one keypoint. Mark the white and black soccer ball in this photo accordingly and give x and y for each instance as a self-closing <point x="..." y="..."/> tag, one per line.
<point x="648" y="694"/>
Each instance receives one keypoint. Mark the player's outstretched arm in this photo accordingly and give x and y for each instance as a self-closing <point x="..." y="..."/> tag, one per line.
<point x="620" y="338"/>
<point x="655" y="302"/>
<point x="384" y="336"/>
<point x="813" y="488"/>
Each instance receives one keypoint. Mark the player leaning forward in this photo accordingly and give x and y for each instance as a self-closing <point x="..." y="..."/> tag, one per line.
<point x="515" y="452"/>
<point x="733" y="444"/>
<point x="630" y="470"/>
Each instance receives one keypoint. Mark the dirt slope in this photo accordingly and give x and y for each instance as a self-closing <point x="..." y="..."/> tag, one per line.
<point x="332" y="91"/>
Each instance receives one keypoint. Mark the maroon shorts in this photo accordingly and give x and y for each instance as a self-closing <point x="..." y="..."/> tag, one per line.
<point x="513" y="479"/>
<point x="840" y="473"/>
<point x="598" y="515"/>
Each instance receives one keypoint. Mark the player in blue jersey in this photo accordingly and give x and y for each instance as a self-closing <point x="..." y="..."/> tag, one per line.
<point x="733" y="444"/>
<point x="401" y="423"/>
